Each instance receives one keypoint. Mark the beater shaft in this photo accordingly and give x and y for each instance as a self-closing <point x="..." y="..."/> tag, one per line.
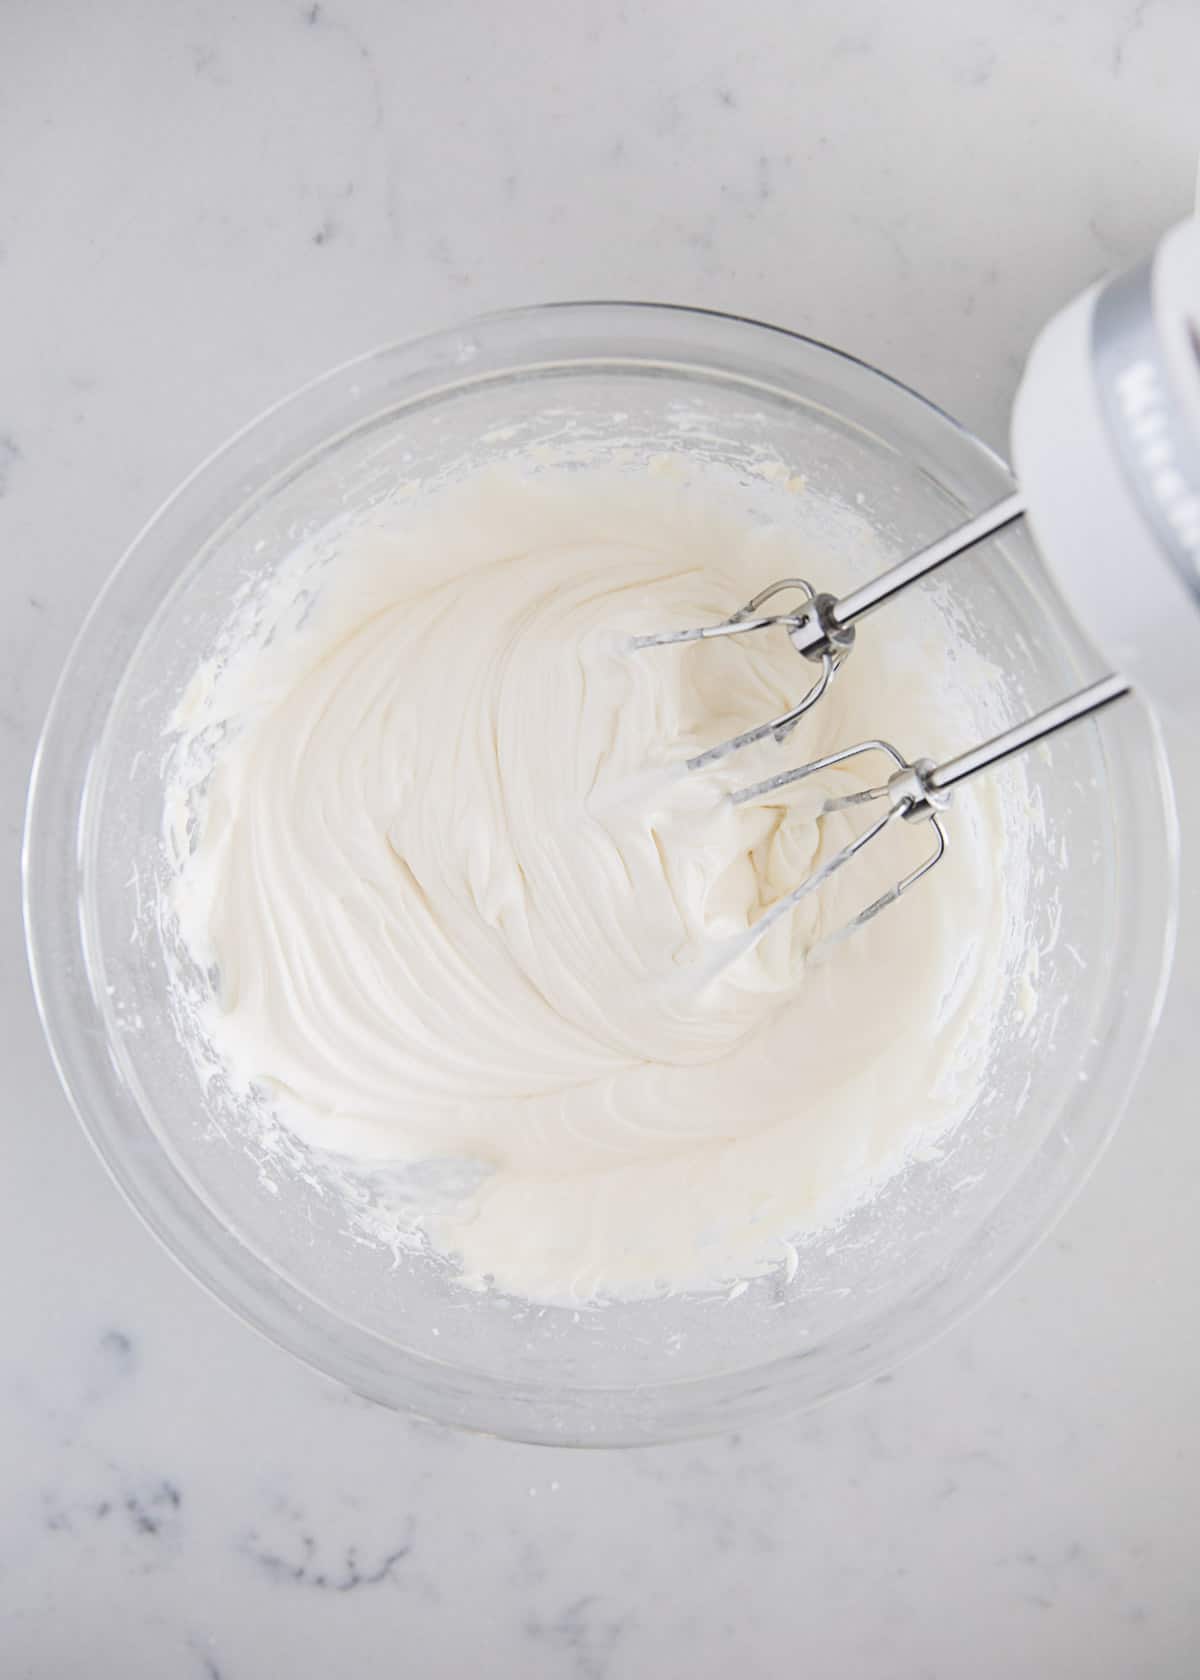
<point x="827" y="619"/>
<point x="1083" y="704"/>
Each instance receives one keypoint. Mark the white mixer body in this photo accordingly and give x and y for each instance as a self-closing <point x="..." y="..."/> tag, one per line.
<point x="1106" y="446"/>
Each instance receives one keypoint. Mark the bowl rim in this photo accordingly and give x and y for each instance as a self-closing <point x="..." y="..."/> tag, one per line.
<point x="42" y="833"/>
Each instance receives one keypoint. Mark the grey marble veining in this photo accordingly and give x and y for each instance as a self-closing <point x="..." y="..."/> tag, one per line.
<point x="207" y="206"/>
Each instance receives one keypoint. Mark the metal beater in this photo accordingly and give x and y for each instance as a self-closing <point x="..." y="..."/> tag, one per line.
<point x="822" y="629"/>
<point x="1106" y="439"/>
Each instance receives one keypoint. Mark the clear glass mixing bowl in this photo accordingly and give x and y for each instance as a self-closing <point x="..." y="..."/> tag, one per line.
<point x="938" y="1238"/>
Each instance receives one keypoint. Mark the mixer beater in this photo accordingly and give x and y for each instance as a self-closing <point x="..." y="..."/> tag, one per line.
<point x="822" y="629"/>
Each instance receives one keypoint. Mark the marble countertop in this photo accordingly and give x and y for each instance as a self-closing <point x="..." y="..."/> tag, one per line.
<point x="203" y="205"/>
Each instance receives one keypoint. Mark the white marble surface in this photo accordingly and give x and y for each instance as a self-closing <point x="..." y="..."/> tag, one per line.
<point x="202" y="205"/>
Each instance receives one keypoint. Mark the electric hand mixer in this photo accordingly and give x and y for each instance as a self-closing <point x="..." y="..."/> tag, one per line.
<point x="1106" y="444"/>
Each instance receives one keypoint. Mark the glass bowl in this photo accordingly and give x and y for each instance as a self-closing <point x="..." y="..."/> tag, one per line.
<point x="640" y="378"/>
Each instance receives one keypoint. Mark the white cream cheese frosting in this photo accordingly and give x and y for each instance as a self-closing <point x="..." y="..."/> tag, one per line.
<point x="460" y="898"/>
